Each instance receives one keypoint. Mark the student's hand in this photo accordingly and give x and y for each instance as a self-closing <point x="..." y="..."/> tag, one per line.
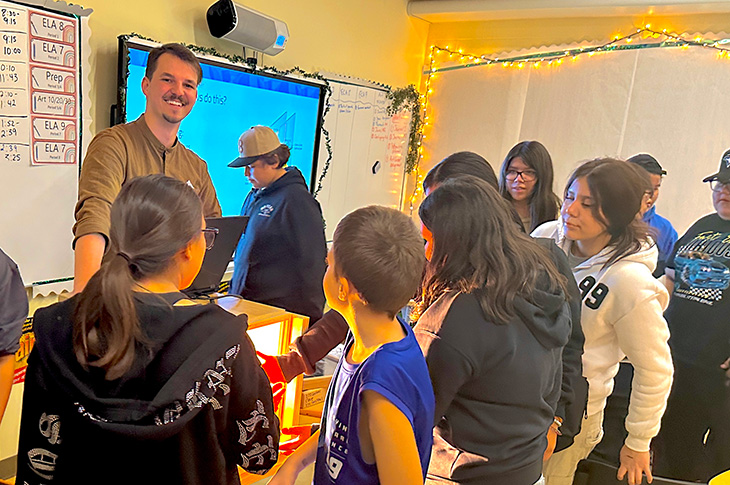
<point x="726" y="367"/>
<point x="552" y="440"/>
<point x="286" y="475"/>
<point x="634" y="463"/>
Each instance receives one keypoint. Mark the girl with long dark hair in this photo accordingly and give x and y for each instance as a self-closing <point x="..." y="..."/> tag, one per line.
<point x="130" y="382"/>
<point x="613" y="256"/>
<point x="494" y="321"/>
<point x="526" y="181"/>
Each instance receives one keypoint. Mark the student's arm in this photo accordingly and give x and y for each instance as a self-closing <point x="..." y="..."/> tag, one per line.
<point x="574" y="387"/>
<point x="321" y="337"/>
<point x="88" y="253"/>
<point x="390" y="434"/>
<point x="13" y="312"/>
<point x="251" y="424"/>
<point x="448" y="367"/>
<point x="303" y="217"/>
<point x="298" y="461"/>
<point x="101" y="179"/>
<point x="646" y="347"/>
<point x="7" y="367"/>
<point x="667" y="279"/>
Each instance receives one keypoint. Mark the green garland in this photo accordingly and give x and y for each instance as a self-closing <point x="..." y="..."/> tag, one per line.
<point x="400" y="98"/>
<point x="408" y="98"/>
<point x="236" y="59"/>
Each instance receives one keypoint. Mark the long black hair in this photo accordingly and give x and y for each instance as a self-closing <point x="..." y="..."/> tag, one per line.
<point x="460" y="163"/>
<point x="153" y="218"/>
<point x="544" y="204"/>
<point x="479" y="249"/>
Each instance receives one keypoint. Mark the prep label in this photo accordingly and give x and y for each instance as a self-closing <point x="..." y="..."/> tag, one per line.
<point x="53" y="80"/>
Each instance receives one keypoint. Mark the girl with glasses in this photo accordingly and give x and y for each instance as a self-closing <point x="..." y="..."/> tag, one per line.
<point x="526" y="180"/>
<point x="128" y="380"/>
<point x="613" y="257"/>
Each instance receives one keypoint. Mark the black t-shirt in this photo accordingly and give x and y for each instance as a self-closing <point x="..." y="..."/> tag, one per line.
<point x="699" y="311"/>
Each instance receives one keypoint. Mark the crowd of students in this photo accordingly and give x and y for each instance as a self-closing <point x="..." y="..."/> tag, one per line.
<point x="522" y="307"/>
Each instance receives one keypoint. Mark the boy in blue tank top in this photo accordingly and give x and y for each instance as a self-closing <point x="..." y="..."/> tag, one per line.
<point x="378" y="414"/>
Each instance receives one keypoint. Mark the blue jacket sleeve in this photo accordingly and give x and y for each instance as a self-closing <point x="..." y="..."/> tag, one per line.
<point x="13" y="305"/>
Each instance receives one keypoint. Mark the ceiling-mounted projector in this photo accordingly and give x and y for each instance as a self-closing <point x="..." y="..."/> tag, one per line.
<point x="246" y="26"/>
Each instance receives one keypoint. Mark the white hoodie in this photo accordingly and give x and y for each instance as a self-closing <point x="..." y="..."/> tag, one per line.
<point x="622" y="317"/>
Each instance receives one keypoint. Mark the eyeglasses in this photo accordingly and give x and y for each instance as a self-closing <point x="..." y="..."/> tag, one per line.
<point x="717" y="186"/>
<point x="527" y="175"/>
<point x="209" y="233"/>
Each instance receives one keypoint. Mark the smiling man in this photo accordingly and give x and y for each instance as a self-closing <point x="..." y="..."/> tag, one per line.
<point x="145" y="146"/>
<point x="280" y="259"/>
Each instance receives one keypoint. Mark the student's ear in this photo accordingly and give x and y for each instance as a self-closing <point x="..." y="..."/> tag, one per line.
<point x="348" y="292"/>
<point x="145" y="85"/>
<point x="186" y="253"/>
<point x="344" y="289"/>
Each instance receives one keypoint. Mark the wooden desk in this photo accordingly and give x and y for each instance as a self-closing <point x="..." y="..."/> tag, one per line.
<point x="273" y="331"/>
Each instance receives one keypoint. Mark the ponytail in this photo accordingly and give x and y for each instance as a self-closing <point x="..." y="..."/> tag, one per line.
<point x="107" y="328"/>
<point x="152" y="219"/>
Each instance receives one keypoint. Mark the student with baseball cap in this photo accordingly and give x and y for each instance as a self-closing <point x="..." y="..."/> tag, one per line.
<point x="666" y="235"/>
<point x="694" y="439"/>
<point x="280" y="259"/>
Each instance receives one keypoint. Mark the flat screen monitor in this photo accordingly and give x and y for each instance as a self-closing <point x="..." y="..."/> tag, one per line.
<point x="231" y="99"/>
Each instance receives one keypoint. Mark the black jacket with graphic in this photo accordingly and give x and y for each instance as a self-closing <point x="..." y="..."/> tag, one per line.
<point x="195" y="404"/>
<point x="280" y="259"/>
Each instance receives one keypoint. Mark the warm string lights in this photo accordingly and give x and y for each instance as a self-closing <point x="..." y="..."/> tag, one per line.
<point x="641" y="38"/>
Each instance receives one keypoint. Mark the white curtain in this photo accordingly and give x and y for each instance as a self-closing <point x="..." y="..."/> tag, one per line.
<point x="673" y="103"/>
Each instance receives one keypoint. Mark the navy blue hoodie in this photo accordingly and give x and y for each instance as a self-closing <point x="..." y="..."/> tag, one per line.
<point x="280" y="259"/>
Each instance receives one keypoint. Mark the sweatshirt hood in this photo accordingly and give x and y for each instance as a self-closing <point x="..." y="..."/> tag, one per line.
<point x="292" y="177"/>
<point x="546" y="315"/>
<point x="157" y="389"/>
<point x="647" y="255"/>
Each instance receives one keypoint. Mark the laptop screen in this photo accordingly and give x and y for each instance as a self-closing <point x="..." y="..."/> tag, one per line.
<point x="217" y="258"/>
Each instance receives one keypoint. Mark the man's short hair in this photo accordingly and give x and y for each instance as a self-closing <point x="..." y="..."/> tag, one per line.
<point x="177" y="50"/>
<point x="380" y="251"/>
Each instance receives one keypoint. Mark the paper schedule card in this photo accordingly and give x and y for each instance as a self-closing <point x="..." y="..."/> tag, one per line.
<point x="39" y="86"/>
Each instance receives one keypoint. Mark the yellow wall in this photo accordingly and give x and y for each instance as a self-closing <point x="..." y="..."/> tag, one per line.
<point x="489" y="37"/>
<point x="372" y="39"/>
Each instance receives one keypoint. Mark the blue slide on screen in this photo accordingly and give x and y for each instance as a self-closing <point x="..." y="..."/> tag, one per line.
<point x="229" y="102"/>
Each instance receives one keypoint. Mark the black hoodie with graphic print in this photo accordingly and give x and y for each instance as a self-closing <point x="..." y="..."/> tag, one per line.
<point x="195" y="404"/>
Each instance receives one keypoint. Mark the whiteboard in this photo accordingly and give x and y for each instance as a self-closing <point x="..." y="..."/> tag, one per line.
<point x="369" y="152"/>
<point x="39" y="138"/>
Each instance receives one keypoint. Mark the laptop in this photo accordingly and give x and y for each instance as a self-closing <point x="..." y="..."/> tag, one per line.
<point x="217" y="258"/>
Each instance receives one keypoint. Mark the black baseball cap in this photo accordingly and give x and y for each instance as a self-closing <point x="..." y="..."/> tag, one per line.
<point x="648" y="163"/>
<point x="723" y="175"/>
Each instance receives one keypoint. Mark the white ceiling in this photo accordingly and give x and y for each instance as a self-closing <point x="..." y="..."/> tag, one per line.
<point x="470" y="10"/>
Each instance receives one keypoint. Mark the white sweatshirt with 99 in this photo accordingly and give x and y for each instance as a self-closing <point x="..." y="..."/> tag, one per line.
<point x="622" y="317"/>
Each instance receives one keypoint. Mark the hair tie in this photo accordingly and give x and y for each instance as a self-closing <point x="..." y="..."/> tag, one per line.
<point x="127" y="258"/>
